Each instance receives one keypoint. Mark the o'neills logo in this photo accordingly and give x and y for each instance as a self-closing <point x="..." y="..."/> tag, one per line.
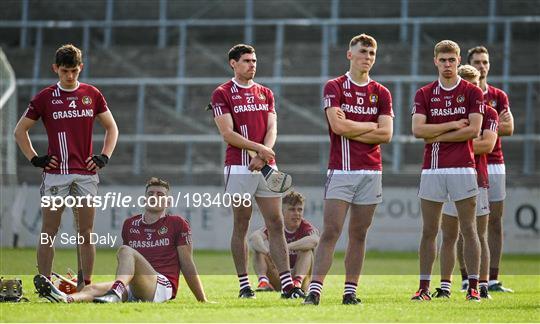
<point x="252" y="107"/>
<point x="447" y="111"/>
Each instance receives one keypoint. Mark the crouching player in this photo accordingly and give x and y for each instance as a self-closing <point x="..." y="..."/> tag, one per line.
<point x="156" y="247"/>
<point x="302" y="238"/>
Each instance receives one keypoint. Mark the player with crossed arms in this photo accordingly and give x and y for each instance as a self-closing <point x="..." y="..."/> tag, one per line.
<point x="451" y="111"/>
<point x="482" y="146"/>
<point x="360" y="117"/>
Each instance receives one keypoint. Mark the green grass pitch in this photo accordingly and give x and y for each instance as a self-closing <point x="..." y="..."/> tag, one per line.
<point x="390" y="280"/>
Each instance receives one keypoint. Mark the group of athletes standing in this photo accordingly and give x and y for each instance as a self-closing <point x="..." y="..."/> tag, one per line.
<point x="459" y="116"/>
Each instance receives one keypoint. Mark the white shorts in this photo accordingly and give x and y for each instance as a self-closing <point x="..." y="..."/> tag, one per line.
<point x="482" y="205"/>
<point x="497" y="182"/>
<point x="238" y="179"/>
<point x="162" y="294"/>
<point x="448" y="184"/>
<point x="64" y="185"/>
<point x="358" y="187"/>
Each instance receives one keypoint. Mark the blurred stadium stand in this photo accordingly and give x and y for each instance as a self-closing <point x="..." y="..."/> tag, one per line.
<point x="157" y="63"/>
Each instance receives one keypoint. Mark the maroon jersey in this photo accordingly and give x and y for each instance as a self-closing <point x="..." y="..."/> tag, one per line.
<point x="490" y="123"/>
<point x="360" y="103"/>
<point x="68" y="117"/>
<point x="249" y="108"/>
<point x="442" y="105"/>
<point x="305" y="229"/>
<point x="157" y="242"/>
<point x="497" y="99"/>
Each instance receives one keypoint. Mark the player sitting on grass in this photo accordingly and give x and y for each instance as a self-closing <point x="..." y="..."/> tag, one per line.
<point x="156" y="247"/>
<point x="302" y="238"/>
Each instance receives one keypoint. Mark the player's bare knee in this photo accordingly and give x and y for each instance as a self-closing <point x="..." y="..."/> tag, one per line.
<point x="274" y="226"/>
<point x="124" y="251"/>
<point x="429" y="232"/>
<point x="330" y="235"/>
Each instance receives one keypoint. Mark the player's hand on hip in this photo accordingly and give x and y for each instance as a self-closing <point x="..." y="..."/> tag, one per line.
<point x="266" y="153"/>
<point x="46" y="162"/>
<point x="256" y="164"/>
<point x="96" y="162"/>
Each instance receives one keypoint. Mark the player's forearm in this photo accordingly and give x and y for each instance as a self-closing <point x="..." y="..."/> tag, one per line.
<point x="305" y="243"/>
<point x="349" y="128"/>
<point x="25" y="144"/>
<point x="378" y="136"/>
<point x="195" y="285"/>
<point x="482" y="145"/>
<point x="431" y="130"/>
<point x="459" y="135"/>
<point x="109" y="143"/>
<point x="506" y="128"/>
<point x="237" y="140"/>
<point x="193" y="280"/>
<point x="270" y="138"/>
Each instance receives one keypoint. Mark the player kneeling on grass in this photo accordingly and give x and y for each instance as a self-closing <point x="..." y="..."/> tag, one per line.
<point x="156" y="247"/>
<point x="302" y="238"/>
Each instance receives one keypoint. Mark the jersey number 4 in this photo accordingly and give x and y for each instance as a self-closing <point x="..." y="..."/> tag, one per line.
<point x="73" y="105"/>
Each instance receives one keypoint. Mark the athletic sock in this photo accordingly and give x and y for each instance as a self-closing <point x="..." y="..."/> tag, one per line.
<point x="119" y="288"/>
<point x="297" y="281"/>
<point x="315" y="287"/>
<point x="263" y="279"/>
<point x="424" y="282"/>
<point x="493" y="275"/>
<point x="244" y="281"/>
<point x="473" y="281"/>
<point x="464" y="275"/>
<point x="286" y="281"/>
<point x="483" y="283"/>
<point x="350" y="288"/>
<point x="446" y="285"/>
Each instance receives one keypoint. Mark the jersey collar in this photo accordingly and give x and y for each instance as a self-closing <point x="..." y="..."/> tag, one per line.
<point x="452" y="88"/>
<point x="243" y="86"/>
<point x="66" y="90"/>
<point x="348" y="74"/>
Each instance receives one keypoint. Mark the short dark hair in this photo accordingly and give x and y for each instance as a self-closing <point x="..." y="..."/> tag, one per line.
<point x="476" y="50"/>
<point x="240" y="49"/>
<point x="68" y="56"/>
<point x="154" y="181"/>
<point x="293" y="198"/>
